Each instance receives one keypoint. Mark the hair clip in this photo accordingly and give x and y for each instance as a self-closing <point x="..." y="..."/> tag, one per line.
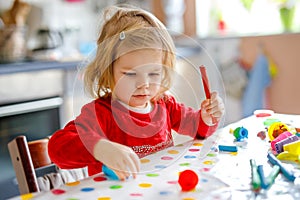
<point x="122" y="35"/>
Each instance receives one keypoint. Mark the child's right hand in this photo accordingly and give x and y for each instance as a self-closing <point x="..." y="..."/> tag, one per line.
<point x="120" y="158"/>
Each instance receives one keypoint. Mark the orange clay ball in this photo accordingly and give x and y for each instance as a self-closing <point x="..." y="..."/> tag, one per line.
<point x="188" y="180"/>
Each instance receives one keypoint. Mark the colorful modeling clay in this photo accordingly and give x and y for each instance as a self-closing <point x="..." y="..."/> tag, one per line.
<point x="288" y="157"/>
<point x="270" y="121"/>
<point x="263" y="113"/>
<point x="109" y="172"/>
<point x="293" y="147"/>
<point x="286" y="173"/>
<point x="255" y="180"/>
<point x="188" y="180"/>
<point x="282" y="136"/>
<point x="260" y="170"/>
<point x="240" y="133"/>
<point x="276" y="129"/>
<point x="266" y="182"/>
<point x="272" y="176"/>
<point x="262" y="135"/>
<point x="228" y="148"/>
<point x="283" y="145"/>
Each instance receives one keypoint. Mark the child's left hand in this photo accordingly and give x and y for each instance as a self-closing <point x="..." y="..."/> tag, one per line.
<point x="212" y="109"/>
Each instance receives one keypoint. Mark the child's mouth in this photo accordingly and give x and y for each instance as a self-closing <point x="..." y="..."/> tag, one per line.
<point x="140" y="96"/>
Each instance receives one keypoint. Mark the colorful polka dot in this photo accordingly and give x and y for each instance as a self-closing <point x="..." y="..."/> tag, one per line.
<point x="136" y="194"/>
<point x="198" y="144"/>
<point x="173" y="152"/>
<point x="172" y="182"/>
<point x="211" y="155"/>
<point x="100" y="178"/>
<point x="165" y="193"/>
<point x="114" y="187"/>
<point x="194" y="150"/>
<point x="204" y="180"/>
<point x="160" y="166"/>
<point x="145" y="185"/>
<point x="152" y="175"/>
<point x="104" y="198"/>
<point x="143" y="161"/>
<point x="184" y="164"/>
<point x="73" y="183"/>
<point x="205" y="169"/>
<point x="166" y="158"/>
<point x="200" y="190"/>
<point x="179" y="145"/>
<point x="208" y="162"/>
<point x="190" y="154"/>
<point x="26" y="196"/>
<point x="189" y="157"/>
<point x="58" y="191"/>
<point x="87" y="189"/>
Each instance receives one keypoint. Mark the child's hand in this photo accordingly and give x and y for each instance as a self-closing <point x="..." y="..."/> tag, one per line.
<point x="212" y="109"/>
<point x="120" y="158"/>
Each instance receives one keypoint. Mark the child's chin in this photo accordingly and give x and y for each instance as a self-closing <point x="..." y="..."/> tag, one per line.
<point x="139" y="104"/>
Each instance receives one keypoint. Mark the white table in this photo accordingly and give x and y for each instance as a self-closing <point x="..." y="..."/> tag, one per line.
<point x="222" y="175"/>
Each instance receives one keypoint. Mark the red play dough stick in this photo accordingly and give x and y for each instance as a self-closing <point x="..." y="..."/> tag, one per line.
<point x="205" y="81"/>
<point x="206" y="86"/>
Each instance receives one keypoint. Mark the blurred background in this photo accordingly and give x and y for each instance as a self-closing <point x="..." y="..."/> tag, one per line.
<point x="250" y="49"/>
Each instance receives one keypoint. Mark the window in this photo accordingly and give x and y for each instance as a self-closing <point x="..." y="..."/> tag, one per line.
<point x="247" y="17"/>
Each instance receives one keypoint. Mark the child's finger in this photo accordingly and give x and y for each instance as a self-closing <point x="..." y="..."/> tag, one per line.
<point x="133" y="165"/>
<point x="218" y="110"/>
<point x="213" y="95"/>
<point x="121" y="175"/>
<point x="137" y="164"/>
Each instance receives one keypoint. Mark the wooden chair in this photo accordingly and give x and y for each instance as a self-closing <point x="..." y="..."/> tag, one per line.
<point x="30" y="160"/>
<point x="34" y="170"/>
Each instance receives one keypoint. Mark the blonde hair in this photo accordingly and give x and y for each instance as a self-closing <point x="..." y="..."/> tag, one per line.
<point x="127" y="29"/>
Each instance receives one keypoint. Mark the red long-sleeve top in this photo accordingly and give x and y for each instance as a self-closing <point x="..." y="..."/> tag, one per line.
<point x="72" y="146"/>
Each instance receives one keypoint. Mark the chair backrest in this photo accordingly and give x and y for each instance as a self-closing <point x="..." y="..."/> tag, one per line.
<point x="29" y="159"/>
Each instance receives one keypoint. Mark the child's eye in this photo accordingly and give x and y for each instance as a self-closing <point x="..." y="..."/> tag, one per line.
<point x="154" y="74"/>
<point x="129" y="73"/>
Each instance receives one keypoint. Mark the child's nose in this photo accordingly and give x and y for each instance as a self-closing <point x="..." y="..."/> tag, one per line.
<point x="142" y="81"/>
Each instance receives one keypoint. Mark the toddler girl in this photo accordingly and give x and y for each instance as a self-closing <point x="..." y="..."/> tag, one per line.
<point x="132" y="114"/>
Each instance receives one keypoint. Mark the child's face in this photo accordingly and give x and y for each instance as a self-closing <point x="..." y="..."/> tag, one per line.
<point x="137" y="76"/>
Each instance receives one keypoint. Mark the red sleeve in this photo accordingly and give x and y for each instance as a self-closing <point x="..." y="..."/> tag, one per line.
<point x="204" y="130"/>
<point x="187" y="121"/>
<point x="67" y="151"/>
<point x="72" y="146"/>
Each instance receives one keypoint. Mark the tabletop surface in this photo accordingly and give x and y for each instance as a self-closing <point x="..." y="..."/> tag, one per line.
<point x="222" y="175"/>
